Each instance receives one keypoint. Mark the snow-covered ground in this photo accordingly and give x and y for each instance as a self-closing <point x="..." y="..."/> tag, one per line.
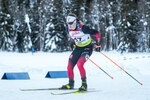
<point x="122" y="87"/>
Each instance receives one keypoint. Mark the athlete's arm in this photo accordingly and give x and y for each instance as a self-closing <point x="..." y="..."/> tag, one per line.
<point x="87" y="30"/>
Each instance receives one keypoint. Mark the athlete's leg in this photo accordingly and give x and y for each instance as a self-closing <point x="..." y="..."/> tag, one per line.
<point x="84" y="57"/>
<point x="70" y="68"/>
<point x="73" y="58"/>
<point x="72" y="62"/>
<point x="80" y="65"/>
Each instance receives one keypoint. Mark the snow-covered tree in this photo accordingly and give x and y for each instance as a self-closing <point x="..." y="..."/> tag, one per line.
<point x="129" y="26"/>
<point x="6" y="27"/>
<point x="144" y="37"/>
<point x="59" y="35"/>
<point x="123" y="24"/>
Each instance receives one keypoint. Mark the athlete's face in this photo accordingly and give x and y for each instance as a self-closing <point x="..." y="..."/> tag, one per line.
<point x="71" y="21"/>
<point x="72" y="25"/>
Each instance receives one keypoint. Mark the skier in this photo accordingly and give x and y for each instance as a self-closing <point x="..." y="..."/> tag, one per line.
<point x="81" y="35"/>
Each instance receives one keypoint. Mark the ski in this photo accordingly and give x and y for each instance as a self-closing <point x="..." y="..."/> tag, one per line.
<point x="73" y="92"/>
<point x="42" y="89"/>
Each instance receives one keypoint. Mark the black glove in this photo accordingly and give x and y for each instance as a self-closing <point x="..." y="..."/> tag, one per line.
<point x="98" y="46"/>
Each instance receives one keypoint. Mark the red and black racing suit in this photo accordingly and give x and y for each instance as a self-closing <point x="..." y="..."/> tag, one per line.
<point x="82" y="52"/>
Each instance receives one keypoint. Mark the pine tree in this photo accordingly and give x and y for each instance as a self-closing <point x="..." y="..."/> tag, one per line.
<point x="122" y="24"/>
<point x="36" y="25"/>
<point x="22" y="26"/>
<point x="49" y="29"/>
<point x="59" y="36"/>
<point x="6" y="27"/>
<point x="144" y="37"/>
<point x="129" y="26"/>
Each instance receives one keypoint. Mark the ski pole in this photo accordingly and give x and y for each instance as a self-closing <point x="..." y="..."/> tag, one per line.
<point x="122" y="69"/>
<point x="100" y="68"/>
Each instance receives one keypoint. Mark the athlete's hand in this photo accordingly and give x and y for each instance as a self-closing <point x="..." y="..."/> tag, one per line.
<point x="74" y="46"/>
<point x="97" y="47"/>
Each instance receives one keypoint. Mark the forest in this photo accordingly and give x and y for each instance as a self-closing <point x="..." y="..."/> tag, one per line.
<point x="41" y="24"/>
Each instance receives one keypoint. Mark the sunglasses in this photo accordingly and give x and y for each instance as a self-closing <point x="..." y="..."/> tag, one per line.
<point x="70" y="23"/>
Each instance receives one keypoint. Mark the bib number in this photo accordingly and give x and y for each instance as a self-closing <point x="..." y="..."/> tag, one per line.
<point x="78" y="40"/>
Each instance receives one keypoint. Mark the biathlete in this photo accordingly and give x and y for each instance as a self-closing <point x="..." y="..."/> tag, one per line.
<point x="81" y="36"/>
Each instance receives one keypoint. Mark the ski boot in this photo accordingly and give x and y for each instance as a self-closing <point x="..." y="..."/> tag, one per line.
<point x="70" y="85"/>
<point x="83" y="86"/>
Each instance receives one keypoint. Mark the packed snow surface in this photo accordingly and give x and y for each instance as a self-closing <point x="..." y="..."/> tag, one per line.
<point x="122" y="87"/>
